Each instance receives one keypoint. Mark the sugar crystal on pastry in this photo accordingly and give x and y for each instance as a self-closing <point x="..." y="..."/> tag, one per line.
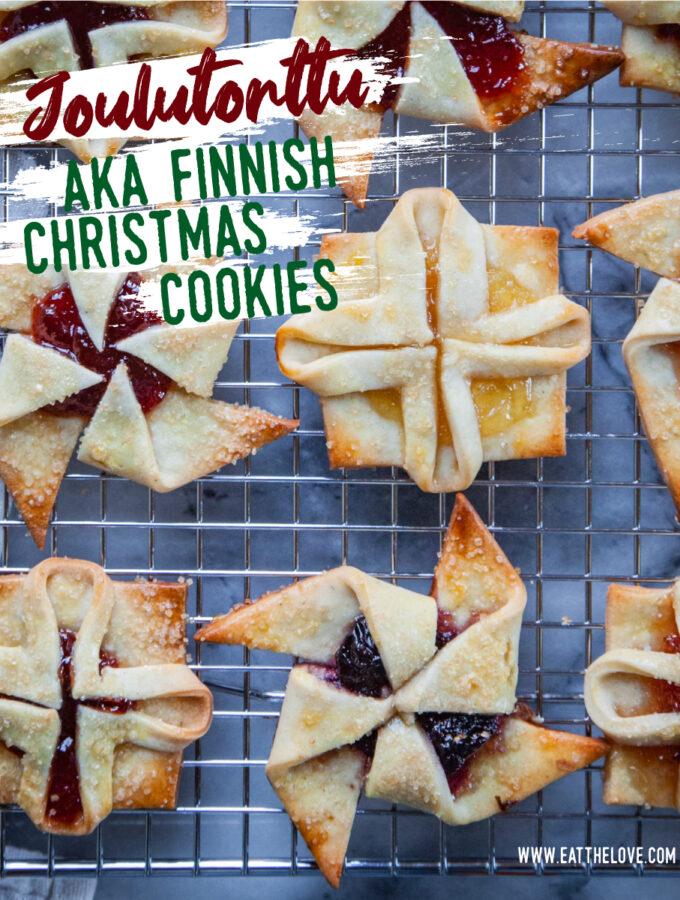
<point x="632" y="692"/>
<point x="651" y="43"/>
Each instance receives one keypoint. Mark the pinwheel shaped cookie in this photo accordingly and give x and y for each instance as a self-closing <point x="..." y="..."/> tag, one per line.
<point x="88" y="355"/>
<point x="449" y="346"/>
<point x="408" y="696"/>
<point x="461" y="62"/>
<point x="97" y="702"/>
<point x="632" y="692"/>
<point x="50" y="36"/>
<point x="650" y="42"/>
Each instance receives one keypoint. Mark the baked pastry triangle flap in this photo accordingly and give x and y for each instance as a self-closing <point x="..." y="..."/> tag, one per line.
<point x="650" y="352"/>
<point x="347" y="719"/>
<point x="650" y="43"/>
<point x="645" y="232"/>
<point x="45" y="38"/>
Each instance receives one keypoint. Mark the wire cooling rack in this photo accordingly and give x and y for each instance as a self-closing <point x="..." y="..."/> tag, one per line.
<point x="572" y="525"/>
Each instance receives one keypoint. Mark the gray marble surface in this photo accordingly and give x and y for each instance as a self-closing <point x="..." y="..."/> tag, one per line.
<point x="572" y="525"/>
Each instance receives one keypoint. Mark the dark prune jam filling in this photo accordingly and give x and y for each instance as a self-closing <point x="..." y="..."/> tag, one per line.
<point x="447" y="629"/>
<point x="359" y="666"/>
<point x="366" y="744"/>
<point x="455" y="737"/>
<point x="490" y="52"/>
<point x="82" y="17"/>
<point x="669" y="32"/>
<point x="64" y="803"/>
<point x="57" y="324"/>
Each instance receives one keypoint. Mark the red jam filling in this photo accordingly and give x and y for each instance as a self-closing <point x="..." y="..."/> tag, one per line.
<point x="672" y="643"/>
<point x="81" y="17"/>
<point x="455" y="738"/>
<point x="64" y="803"/>
<point x="57" y="324"/>
<point x="358" y="664"/>
<point x="491" y="53"/>
<point x="668" y="32"/>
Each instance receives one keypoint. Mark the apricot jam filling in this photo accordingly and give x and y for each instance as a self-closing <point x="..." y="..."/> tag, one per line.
<point x="56" y="323"/>
<point x="81" y="16"/>
<point x="502" y="401"/>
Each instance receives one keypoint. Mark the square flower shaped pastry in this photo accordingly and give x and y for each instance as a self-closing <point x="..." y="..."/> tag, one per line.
<point x="86" y="357"/>
<point x="449" y="345"/>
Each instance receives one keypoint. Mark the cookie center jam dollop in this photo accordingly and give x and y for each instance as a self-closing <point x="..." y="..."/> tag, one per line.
<point x="455" y="737"/>
<point x="491" y="53"/>
<point x="81" y="17"/>
<point x="57" y="324"/>
<point x="358" y="664"/>
<point x="64" y="803"/>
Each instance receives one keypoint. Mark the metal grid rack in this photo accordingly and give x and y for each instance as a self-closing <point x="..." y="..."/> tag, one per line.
<point x="572" y="525"/>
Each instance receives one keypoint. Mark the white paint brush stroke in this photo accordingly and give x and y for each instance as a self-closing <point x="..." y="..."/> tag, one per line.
<point x="48" y="184"/>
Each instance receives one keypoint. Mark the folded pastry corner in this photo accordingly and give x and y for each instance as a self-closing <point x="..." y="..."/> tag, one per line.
<point x="460" y="63"/>
<point x="651" y="352"/>
<point x="97" y="700"/>
<point x="446" y="348"/>
<point x="645" y="232"/>
<point x="632" y="693"/>
<point x="411" y="697"/>
<point x="88" y="357"/>
<point x="42" y="38"/>
<point x="650" y="43"/>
